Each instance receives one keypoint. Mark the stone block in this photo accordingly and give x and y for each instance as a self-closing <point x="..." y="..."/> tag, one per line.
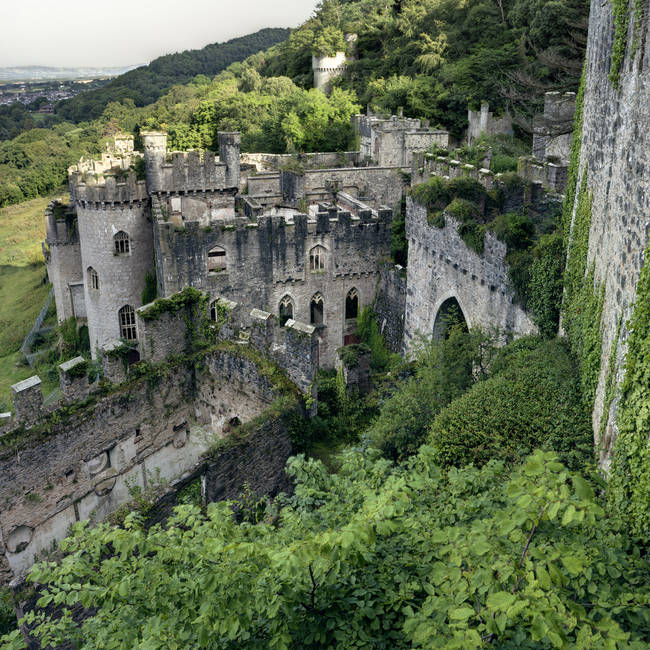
<point x="73" y="379"/>
<point x="27" y="396"/>
<point x="114" y="361"/>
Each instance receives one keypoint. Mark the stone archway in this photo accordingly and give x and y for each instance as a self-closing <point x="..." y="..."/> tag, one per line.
<point x="449" y="313"/>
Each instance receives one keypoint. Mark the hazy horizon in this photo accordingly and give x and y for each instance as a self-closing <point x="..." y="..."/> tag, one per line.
<point x="129" y="32"/>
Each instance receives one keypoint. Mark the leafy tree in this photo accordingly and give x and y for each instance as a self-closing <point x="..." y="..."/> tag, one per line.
<point x="373" y="556"/>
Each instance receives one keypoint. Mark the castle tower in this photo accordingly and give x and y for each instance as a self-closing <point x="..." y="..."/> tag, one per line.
<point x="116" y="238"/>
<point x="229" y="154"/>
<point x="154" y="144"/>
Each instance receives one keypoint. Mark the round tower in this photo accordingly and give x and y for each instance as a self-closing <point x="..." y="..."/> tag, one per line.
<point x="116" y="239"/>
<point x="229" y="153"/>
<point x="154" y="144"/>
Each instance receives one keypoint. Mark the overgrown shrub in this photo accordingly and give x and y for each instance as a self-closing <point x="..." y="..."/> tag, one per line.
<point x="445" y="369"/>
<point x="531" y="400"/>
<point x="368" y="332"/>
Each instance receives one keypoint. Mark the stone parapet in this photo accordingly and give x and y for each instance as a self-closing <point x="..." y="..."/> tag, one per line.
<point x="73" y="379"/>
<point x="27" y="396"/>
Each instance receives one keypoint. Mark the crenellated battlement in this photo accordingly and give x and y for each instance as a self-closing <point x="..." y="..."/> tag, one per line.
<point x="426" y="165"/>
<point x="107" y="189"/>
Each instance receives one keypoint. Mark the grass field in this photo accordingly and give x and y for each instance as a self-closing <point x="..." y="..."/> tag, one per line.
<point x="23" y="288"/>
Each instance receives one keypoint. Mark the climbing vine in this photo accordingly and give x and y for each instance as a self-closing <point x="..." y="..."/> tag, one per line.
<point x="582" y="307"/>
<point x="620" y="10"/>
<point x="574" y="162"/>
<point x="621" y="25"/>
<point x="629" y="483"/>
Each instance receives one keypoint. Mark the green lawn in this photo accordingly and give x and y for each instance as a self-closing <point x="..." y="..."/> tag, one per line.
<point x="23" y="289"/>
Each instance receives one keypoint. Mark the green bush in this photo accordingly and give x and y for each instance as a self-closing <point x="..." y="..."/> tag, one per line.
<point x="445" y="369"/>
<point x="501" y="164"/>
<point x="434" y="194"/>
<point x="464" y="210"/>
<point x="545" y="283"/>
<point x="467" y="188"/>
<point x="368" y="332"/>
<point x="7" y="613"/>
<point x="517" y="231"/>
<point x="531" y="400"/>
<point x="473" y="234"/>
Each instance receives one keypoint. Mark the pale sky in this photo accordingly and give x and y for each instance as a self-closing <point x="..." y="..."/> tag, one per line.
<point x="127" y="32"/>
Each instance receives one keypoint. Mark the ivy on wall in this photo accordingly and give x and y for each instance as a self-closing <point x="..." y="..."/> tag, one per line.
<point x="583" y="305"/>
<point x="620" y="10"/>
<point x="629" y="483"/>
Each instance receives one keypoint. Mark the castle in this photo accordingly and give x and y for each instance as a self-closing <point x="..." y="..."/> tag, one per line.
<point x="261" y="264"/>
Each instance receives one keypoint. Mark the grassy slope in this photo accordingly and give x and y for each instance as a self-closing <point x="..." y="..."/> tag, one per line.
<point x="23" y="286"/>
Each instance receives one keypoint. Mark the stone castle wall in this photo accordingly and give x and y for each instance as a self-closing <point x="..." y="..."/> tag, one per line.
<point x="483" y="122"/>
<point x="268" y="260"/>
<point x="390" y="305"/>
<point x="440" y="266"/>
<point x="615" y="145"/>
<point x="82" y="463"/>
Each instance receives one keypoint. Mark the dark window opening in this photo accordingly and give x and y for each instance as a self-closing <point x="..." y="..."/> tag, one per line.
<point x="286" y="310"/>
<point x="122" y="243"/>
<point x="316" y="310"/>
<point x="352" y="304"/>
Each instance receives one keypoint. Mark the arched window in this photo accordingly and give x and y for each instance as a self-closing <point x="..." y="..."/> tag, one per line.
<point x="352" y="304"/>
<point x="317" y="259"/>
<point x="127" y="323"/>
<point x="216" y="260"/>
<point x="316" y="309"/>
<point x="286" y="310"/>
<point x="122" y="243"/>
<point x="93" y="278"/>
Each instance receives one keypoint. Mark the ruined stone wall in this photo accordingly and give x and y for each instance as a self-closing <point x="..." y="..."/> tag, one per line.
<point x="440" y="266"/>
<point x="390" y="304"/>
<point x="377" y="185"/>
<point x="615" y="146"/>
<point x="121" y="276"/>
<point x="483" y="122"/>
<point x="79" y="464"/>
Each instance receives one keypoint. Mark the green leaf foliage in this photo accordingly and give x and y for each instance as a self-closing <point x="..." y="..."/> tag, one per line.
<point x="531" y="400"/>
<point x="444" y="371"/>
<point x="373" y="556"/>
<point x="629" y="484"/>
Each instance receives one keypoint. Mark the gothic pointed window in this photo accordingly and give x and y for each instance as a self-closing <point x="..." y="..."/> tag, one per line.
<point x="316" y="309"/>
<point x="286" y="310"/>
<point x="93" y="278"/>
<point x="127" y="323"/>
<point x="121" y="243"/>
<point x="216" y="260"/>
<point x="317" y="258"/>
<point x="352" y="304"/>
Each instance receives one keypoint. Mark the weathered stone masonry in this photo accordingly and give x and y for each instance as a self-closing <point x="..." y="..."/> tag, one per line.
<point x="442" y="267"/>
<point x="614" y="154"/>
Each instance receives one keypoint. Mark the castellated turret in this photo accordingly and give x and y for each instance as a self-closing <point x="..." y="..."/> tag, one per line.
<point x="229" y="154"/>
<point x="115" y="234"/>
<point x="155" y="155"/>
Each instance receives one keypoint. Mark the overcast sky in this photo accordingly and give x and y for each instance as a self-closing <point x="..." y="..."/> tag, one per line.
<point x="127" y="32"/>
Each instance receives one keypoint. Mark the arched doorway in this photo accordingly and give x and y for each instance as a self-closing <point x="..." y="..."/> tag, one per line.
<point x="449" y="314"/>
